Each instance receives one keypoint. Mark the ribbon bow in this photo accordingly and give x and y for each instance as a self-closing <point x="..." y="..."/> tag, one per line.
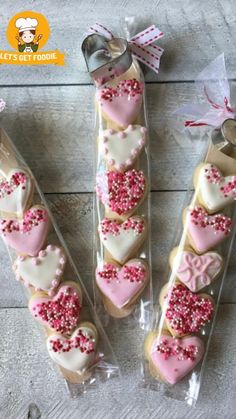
<point x="216" y="91"/>
<point x="140" y="45"/>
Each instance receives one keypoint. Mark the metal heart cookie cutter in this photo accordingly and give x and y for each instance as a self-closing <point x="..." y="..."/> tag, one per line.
<point x="106" y="59"/>
<point x="225" y="137"/>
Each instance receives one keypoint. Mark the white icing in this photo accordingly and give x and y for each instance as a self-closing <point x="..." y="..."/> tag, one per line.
<point x="16" y="201"/>
<point x="121" y="149"/>
<point x="121" y="246"/>
<point x="211" y="193"/>
<point x="73" y="360"/>
<point x="43" y="271"/>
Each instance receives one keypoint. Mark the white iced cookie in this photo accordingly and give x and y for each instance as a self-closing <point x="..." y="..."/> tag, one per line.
<point x="122" y="239"/>
<point x="44" y="271"/>
<point x="77" y="352"/>
<point x="215" y="191"/>
<point x="15" y="192"/>
<point x="121" y="148"/>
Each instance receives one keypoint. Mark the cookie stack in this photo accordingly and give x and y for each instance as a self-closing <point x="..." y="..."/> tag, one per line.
<point x="40" y="265"/>
<point x="176" y="347"/>
<point x="122" y="270"/>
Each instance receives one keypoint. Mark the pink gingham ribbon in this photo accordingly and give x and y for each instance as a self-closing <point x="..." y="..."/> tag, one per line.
<point x="140" y="45"/>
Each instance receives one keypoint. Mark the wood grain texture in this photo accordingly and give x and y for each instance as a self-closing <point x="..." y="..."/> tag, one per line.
<point x="188" y="28"/>
<point x="55" y="135"/>
<point x="30" y="382"/>
<point x="73" y="214"/>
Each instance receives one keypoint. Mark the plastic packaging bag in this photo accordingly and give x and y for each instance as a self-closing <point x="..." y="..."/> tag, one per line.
<point x="122" y="259"/>
<point x="177" y="345"/>
<point x="74" y="337"/>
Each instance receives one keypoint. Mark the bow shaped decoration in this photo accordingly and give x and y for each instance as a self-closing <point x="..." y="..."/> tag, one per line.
<point x="140" y="45"/>
<point x="216" y="108"/>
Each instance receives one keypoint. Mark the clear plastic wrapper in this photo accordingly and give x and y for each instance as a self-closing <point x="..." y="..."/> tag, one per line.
<point x="58" y="300"/>
<point x="176" y="347"/>
<point x="122" y="257"/>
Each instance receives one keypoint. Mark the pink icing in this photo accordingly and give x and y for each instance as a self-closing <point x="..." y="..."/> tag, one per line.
<point x="123" y="102"/>
<point x="207" y="231"/>
<point x="193" y="270"/>
<point x="121" y="284"/>
<point x="121" y="192"/>
<point x="60" y="313"/>
<point x="175" y="358"/>
<point x="26" y="236"/>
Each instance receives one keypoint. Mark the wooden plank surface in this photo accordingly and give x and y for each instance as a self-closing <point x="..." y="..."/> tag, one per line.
<point x="50" y="118"/>
<point x="188" y="26"/>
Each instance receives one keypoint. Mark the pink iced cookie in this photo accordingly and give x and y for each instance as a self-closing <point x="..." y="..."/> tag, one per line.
<point x="15" y="191"/>
<point x="122" y="148"/>
<point x="60" y="313"/>
<point x="206" y="231"/>
<point x="44" y="271"/>
<point x="121" y="192"/>
<point x="76" y="353"/>
<point x="196" y="271"/>
<point x="122" y="239"/>
<point x="174" y="358"/>
<point x="121" y="103"/>
<point x="28" y="235"/>
<point x="122" y="284"/>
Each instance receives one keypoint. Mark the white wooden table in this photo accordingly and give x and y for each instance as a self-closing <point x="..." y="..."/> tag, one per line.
<point x="49" y="116"/>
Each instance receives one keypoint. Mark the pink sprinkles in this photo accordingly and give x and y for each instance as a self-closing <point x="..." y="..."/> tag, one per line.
<point x="213" y="175"/>
<point x="32" y="218"/>
<point x="132" y="88"/>
<point x="113" y="227"/>
<point x="131" y="273"/>
<point x="7" y="187"/>
<point x="182" y="353"/>
<point x="219" y="222"/>
<point x="62" y="313"/>
<point x="121" y="191"/>
<point x="82" y="341"/>
<point x="187" y="312"/>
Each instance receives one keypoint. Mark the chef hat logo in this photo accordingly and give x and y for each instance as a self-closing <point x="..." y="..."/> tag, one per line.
<point x="26" y="24"/>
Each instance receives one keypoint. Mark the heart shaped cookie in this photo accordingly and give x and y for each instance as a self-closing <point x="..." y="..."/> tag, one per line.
<point x="77" y="352"/>
<point x="121" y="103"/>
<point x="121" y="148"/>
<point x="185" y="312"/>
<point x="121" y="285"/>
<point x="121" y="192"/>
<point x="122" y="239"/>
<point x="172" y="359"/>
<point x="215" y="192"/>
<point x="195" y="271"/>
<point x="43" y="271"/>
<point x="15" y="192"/>
<point x="60" y="313"/>
<point x="28" y="235"/>
<point x="206" y="231"/>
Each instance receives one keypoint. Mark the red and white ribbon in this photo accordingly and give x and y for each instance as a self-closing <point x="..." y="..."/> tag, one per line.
<point x="140" y="45"/>
<point x="216" y="108"/>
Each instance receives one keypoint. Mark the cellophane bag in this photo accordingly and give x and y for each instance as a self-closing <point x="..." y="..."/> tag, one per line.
<point x="122" y="257"/>
<point x="176" y="347"/>
<point x="57" y="298"/>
